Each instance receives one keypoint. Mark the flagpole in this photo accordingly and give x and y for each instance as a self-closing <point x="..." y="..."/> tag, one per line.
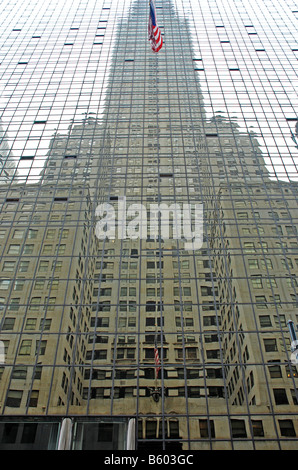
<point x="155" y="345"/>
<point x="155" y="348"/>
<point x="155" y="392"/>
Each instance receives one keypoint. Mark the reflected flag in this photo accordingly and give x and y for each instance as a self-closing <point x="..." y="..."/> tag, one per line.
<point x="154" y="34"/>
<point x="156" y="359"/>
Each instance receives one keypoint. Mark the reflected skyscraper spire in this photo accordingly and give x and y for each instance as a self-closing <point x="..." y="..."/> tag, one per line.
<point x="7" y="164"/>
<point x="85" y="315"/>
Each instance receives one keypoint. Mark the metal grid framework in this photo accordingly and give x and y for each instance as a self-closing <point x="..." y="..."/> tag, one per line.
<point x="90" y="115"/>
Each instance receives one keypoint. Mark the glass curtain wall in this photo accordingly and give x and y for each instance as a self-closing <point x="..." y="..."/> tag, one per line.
<point x="106" y="148"/>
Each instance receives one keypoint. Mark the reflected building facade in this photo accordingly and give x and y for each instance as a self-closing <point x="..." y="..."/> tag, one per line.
<point x="83" y="314"/>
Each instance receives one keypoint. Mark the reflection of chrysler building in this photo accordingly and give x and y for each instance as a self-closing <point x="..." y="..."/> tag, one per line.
<point x="217" y="315"/>
<point x="7" y="166"/>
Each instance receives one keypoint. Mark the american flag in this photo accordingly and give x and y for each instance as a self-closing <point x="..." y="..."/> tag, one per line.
<point x="154" y="34"/>
<point x="156" y="359"/>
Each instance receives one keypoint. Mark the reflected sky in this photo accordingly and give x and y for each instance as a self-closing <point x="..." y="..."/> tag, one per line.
<point x="250" y="70"/>
<point x="55" y="59"/>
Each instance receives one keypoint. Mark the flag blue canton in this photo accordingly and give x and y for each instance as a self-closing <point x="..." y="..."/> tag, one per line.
<point x="152" y="14"/>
